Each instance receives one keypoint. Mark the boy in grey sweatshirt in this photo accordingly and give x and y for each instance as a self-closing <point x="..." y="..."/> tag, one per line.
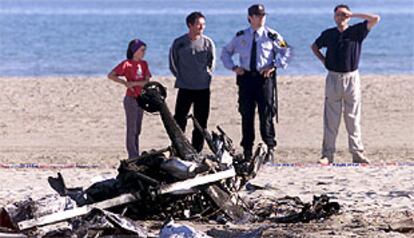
<point x="192" y="61"/>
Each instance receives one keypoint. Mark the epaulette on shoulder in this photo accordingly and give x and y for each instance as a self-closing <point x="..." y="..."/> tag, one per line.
<point x="272" y="36"/>
<point x="239" y="33"/>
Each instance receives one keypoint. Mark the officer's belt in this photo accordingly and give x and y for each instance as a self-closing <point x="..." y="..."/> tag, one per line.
<point x="254" y="73"/>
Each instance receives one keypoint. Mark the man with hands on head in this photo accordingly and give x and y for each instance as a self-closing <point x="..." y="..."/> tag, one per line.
<point x="343" y="45"/>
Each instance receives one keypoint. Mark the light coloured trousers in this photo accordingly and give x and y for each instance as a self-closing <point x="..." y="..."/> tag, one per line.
<point x="134" y="114"/>
<point x="342" y="93"/>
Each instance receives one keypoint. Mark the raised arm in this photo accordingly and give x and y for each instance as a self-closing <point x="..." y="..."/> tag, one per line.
<point x="371" y="18"/>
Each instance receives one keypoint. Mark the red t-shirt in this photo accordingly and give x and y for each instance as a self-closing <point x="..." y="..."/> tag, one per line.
<point x="133" y="71"/>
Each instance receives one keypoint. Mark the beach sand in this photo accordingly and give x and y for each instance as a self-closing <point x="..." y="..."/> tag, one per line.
<point x="80" y="120"/>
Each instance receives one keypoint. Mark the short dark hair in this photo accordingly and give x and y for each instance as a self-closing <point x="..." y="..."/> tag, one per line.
<point x="192" y="18"/>
<point x="342" y="6"/>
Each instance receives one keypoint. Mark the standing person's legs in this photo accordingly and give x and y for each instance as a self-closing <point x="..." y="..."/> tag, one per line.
<point x="247" y="106"/>
<point x="352" y="113"/>
<point x="140" y="115"/>
<point x="332" y="113"/>
<point x="201" y="109"/>
<point x="266" y="107"/>
<point x="133" y="115"/>
<point x="182" y="107"/>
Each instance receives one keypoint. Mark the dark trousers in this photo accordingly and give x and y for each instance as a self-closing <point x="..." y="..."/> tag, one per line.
<point x="200" y="99"/>
<point x="254" y="90"/>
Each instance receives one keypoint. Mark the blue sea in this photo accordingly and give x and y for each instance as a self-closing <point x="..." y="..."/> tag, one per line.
<point x="89" y="37"/>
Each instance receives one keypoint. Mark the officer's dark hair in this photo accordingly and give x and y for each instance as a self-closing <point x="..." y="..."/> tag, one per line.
<point x="342" y="6"/>
<point x="192" y="18"/>
<point x="130" y="53"/>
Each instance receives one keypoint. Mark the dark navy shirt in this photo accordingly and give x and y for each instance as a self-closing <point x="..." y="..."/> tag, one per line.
<point x="343" y="48"/>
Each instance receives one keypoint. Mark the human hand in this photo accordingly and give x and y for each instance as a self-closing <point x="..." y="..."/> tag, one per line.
<point x="344" y="12"/>
<point x="268" y="71"/>
<point x="239" y="70"/>
<point x="129" y="84"/>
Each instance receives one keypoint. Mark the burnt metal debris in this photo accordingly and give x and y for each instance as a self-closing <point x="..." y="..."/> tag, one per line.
<point x="173" y="182"/>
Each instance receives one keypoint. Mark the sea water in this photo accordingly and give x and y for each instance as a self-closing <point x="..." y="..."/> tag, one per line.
<point x="89" y="37"/>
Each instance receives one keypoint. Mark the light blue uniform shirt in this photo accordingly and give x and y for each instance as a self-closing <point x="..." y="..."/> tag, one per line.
<point x="270" y="46"/>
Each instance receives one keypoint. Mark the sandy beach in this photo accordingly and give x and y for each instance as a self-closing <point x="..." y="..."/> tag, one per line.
<point x="80" y="120"/>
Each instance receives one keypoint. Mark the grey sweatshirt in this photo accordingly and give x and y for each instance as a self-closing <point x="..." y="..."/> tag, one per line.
<point x="192" y="62"/>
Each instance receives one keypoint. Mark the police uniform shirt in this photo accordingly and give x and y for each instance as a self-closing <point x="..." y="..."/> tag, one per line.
<point x="268" y="44"/>
<point x="343" y="48"/>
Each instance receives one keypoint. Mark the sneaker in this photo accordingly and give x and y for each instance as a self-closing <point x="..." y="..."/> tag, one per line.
<point x="324" y="161"/>
<point x="359" y="157"/>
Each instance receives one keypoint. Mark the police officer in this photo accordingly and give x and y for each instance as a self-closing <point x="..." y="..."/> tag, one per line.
<point x="261" y="50"/>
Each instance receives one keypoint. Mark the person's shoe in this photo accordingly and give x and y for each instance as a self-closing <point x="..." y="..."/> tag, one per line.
<point x="270" y="156"/>
<point x="359" y="157"/>
<point x="58" y="184"/>
<point x="324" y="161"/>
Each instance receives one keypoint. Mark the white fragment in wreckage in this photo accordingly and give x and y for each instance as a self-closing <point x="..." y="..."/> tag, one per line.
<point x="125" y="198"/>
<point x="190" y="183"/>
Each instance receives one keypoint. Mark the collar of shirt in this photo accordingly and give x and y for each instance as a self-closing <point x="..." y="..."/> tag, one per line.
<point x="260" y="32"/>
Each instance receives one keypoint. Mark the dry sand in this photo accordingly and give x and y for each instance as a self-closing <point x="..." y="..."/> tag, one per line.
<point x="65" y="120"/>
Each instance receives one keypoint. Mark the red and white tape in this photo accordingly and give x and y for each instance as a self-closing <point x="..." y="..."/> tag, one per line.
<point x="51" y="166"/>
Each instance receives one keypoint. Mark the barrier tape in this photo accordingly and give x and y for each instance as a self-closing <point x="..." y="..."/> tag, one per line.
<point x="51" y="166"/>
<point x="371" y="165"/>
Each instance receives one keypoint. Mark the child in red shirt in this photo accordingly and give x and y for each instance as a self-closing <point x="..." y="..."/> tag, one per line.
<point x="135" y="74"/>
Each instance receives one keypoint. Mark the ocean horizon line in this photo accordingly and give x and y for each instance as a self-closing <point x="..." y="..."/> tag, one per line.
<point x="171" y="76"/>
<point x="185" y="11"/>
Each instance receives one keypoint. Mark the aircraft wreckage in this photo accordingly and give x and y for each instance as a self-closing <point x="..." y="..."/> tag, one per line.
<point x="173" y="182"/>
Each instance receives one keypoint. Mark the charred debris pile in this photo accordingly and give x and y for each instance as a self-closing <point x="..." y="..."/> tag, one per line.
<point x="174" y="182"/>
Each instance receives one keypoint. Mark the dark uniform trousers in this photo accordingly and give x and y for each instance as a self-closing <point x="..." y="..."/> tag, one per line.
<point x="256" y="89"/>
<point x="201" y="107"/>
